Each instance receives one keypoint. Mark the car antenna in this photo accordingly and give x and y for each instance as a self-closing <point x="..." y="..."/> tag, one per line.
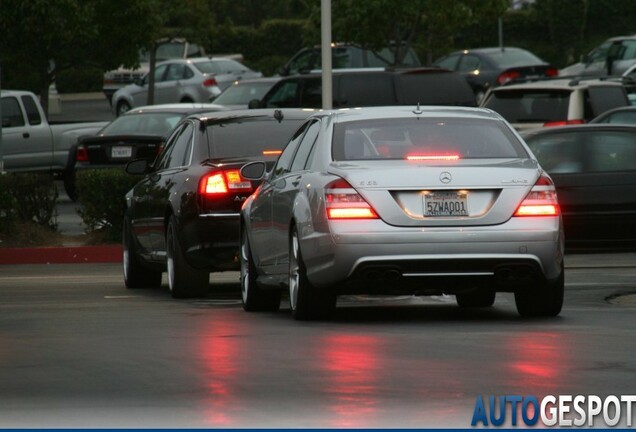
<point x="418" y="110"/>
<point x="278" y="115"/>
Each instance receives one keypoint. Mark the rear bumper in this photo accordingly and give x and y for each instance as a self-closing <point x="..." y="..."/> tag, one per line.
<point x="211" y="241"/>
<point x="374" y="257"/>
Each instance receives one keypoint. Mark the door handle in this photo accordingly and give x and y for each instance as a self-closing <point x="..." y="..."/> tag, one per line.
<point x="296" y="181"/>
<point x="26" y="135"/>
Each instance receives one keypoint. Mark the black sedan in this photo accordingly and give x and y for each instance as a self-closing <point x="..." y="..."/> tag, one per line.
<point x="183" y="216"/>
<point x="138" y="134"/>
<point x="594" y="169"/>
<point x="485" y="68"/>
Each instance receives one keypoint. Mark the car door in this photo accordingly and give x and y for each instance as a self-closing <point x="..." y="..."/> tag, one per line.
<point x="169" y="89"/>
<point x="139" y="93"/>
<point x="27" y="140"/>
<point x="151" y="196"/>
<point x="285" y="192"/>
<point x="261" y="215"/>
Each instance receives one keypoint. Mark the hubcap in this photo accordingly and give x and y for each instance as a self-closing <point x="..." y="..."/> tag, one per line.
<point x="294" y="277"/>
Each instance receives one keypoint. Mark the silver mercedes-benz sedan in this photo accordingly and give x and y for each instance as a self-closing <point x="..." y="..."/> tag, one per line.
<point x="402" y="200"/>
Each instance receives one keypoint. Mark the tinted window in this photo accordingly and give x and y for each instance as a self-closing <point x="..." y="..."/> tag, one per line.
<point x="434" y="88"/>
<point x="602" y="99"/>
<point x="283" y="95"/>
<point x="249" y="137"/>
<point x="307" y="143"/>
<point x="175" y="72"/>
<point x="177" y="151"/>
<point x="11" y="113"/>
<point x="611" y="151"/>
<point x="33" y="114"/>
<point x="283" y="164"/>
<point x="424" y="138"/>
<point x="311" y="95"/>
<point x="620" y="117"/>
<point x="511" y="57"/>
<point x="449" y="62"/>
<point x="530" y="106"/>
<point x="469" y="63"/>
<point x="365" y="90"/>
<point x="559" y="153"/>
<point x="305" y="61"/>
<point x="150" y="124"/>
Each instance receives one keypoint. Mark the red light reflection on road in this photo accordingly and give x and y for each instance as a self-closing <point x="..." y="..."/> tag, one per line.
<point x="221" y="353"/>
<point x="538" y="360"/>
<point x="352" y="364"/>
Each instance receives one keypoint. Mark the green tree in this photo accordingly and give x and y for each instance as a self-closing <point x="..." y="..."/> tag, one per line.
<point x="41" y="38"/>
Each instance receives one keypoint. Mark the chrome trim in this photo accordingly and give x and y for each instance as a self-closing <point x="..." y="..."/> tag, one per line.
<point x="448" y="274"/>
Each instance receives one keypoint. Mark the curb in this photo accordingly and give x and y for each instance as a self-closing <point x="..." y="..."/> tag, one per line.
<point x="61" y="255"/>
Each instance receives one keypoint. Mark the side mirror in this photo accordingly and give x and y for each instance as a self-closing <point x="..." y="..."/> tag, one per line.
<point x="254" y="170"/>
<point x="254" y="103"/>
<point x="138" y="167"/>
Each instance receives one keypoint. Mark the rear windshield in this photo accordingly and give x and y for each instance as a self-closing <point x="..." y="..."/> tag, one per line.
<point x="509" y="58"/>
<point x="242" y="94"/>
<point x="143" y="124"/>
<point x="527" y="106"/>
<point x="585" y="151"/>
<point x="424" y="139"/>
<point x="249" y="137"/>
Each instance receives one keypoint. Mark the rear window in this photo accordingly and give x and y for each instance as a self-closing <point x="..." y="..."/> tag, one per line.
<point x="143" y="124"/>
<point x="530" y="106"/>
<point x="249" y="137"/>
<point x="424" y="139"/>
<point x="435" y="88"/>
<point x="585" y="151"/>
<point x="510" y="57"/>
<point x="366" y="90"/>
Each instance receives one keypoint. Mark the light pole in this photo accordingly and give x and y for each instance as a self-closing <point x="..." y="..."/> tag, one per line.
<point x="325" y="36"/>
<point x="1" y="155"/>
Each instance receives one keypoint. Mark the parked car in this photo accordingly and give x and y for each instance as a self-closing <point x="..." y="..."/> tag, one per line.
<point x="29" y="142"/>
<point x="594" y="169"/>
<point x="345" y="56"/>
<point x="612" y="57"/>
<point x="485" y="68"/>
<point x="555" y="102"/>
<point x="402" y="200"/>
<point x="183" y="215"/>
<point x="622" y="115"/>
<point x="175" y="48"/>
<point x="192" y="80"/>
<point x="426" y="86"/>
<point x="139" y="133"/>
<point x="240" y="93"/>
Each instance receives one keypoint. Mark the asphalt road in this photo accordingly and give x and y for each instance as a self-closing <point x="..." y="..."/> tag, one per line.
<point x="79" y="350"/>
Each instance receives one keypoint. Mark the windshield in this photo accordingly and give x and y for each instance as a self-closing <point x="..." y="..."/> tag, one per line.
<point x="143" y="124"/>
<point x="424" y="139"/>
<point x="242" y="93"/>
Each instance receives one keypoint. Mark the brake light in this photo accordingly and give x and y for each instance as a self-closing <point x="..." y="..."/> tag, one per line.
<point x="210" y="82"/>
<point x="342" y="201"/>
<point x="563" y="123"/>
<point x="272" y="152"/>
<point x="223" y="182"/>
<point x="427" y="157"/>
<point x="541" y="200"/>
<point x="507" y="76"/>
<point x="81" y="154"/>
<point x="551" y="72"/>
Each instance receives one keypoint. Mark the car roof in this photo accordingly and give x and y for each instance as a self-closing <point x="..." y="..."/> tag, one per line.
<point x="16" y="92"/>
<point x="488" y="50"/>
<point x="198" y="60"/>
<point x="559" y="83"/>
<point x="384" y="112"/>
<point x="577" y="128"/>
<point x="374" y="70"/>
<point x="177" y="108"/>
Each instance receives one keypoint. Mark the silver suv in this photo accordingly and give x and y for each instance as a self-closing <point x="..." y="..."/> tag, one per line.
<point x="555" y="102"/>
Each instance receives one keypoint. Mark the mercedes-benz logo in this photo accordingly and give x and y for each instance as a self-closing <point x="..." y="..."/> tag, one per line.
<point x="445" y="177"/>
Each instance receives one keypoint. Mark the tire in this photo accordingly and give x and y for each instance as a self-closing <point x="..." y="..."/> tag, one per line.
<point x="122" y="107"/>
<point x="546" y="300"/>
<point x="183" y="280"/>
<point x="135" y="274"/>
<point x="476" y="299"/>
<point x="70" y="184"/>
<point x="253" y="297"/>
<point x="306" y="301"/>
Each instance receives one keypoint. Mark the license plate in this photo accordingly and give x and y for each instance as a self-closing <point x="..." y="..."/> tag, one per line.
<point x="451" y="203"/>
<point x="121" y="152"/>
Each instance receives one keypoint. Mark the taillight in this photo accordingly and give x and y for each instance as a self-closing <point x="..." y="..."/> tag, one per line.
<point x="563" y="123"/>
<point x="223" y="182"/>
<point x="541" y="200"/>
<point x="210" y="82"/>
<point x="551" y="72"/>
<point x="81" y="155"/>
<point x="342" y="201"/>
<point x="507" y="76"/>
<point x="432" y="157"/>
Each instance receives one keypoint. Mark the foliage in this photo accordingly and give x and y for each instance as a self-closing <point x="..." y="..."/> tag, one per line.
<point x="42" y="38"/>
<point x="28" y="197"/>
<point x="101" y="192"/>
<point x="88" y="79"/>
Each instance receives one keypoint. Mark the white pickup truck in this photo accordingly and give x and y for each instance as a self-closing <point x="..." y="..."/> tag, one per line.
<point x="29" y="143"/>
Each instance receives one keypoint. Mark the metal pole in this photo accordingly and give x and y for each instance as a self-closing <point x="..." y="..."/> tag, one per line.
<point x="325" y="33"/>
<point x="1" y="154"/>
<point x="501" y="45"/>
